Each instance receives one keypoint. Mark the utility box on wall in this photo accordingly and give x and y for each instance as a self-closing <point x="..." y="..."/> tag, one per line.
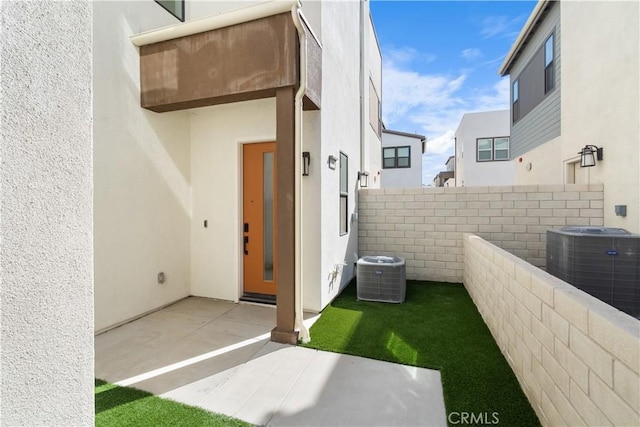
<point x="604" y="262"/>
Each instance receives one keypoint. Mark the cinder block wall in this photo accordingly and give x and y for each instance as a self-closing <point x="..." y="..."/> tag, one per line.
<point x="425" y="225"/>
<point x="576" y="357"/>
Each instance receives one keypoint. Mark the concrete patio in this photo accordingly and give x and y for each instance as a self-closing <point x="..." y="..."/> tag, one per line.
<point x="217" y="355"/>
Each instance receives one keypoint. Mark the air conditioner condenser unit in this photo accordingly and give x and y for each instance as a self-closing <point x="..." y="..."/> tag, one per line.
<point x="381" y="278"/>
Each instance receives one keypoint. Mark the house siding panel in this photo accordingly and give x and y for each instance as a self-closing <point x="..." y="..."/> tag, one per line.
<point x="538" y="123"/>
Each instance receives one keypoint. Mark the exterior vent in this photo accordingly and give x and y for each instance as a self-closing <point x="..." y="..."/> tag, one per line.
<point x="604" y="262"/>
<point x="381" y="278"/>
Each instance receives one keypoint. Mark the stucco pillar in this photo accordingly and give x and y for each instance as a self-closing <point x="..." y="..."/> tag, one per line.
<point x="46" y="293"/>
<point x="285" y="222"/>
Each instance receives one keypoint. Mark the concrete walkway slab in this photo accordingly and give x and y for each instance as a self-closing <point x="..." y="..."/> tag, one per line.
<point x="221" y="359"/>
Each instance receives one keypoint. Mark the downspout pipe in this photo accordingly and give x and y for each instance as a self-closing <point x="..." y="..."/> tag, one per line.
<point x="302" y="36"/>
<point x="363" y="87"/>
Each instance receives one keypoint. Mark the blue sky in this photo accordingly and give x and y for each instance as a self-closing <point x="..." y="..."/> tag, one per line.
<point x="440" y="60"/>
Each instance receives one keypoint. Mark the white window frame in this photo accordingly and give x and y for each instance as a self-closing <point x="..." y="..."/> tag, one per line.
<point x="515" y="105"/>
<point x="492" y="150"/>
<point x="344" y="194"/>
<point x="549" y="63"/>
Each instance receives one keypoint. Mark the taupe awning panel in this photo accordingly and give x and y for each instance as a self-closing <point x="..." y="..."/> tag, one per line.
<point x="237" y="63"/>
<point x="313" y="90"/>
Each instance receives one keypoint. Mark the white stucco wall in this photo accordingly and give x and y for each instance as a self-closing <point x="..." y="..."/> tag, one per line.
<point x="327" y="132"/>
<point x="198" y="9"/>
<point x="403" y="177"/>
<point x="606" y="114"/>
<point x="312" y="274"/>
<point x="159" y="176"/>
<point x="340" y="130"/>
<point x="312" y="10"/>
<point x="373" y="147"/>
<point x="470" y="172"/>
<point x="142" y="176"/>
<point x="46" y="338"/>
<point x="217" y="135"/>
<point x="542" y="165"/>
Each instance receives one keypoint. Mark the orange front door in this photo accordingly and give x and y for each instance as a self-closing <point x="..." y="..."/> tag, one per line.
<point x="259" y="228"/>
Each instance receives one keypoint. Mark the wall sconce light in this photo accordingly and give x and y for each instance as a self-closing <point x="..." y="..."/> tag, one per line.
<point x="587" y="158"/>
<point x="363" y="177"/>
<point x="306" y="162"/>
<point x="332" y="162"/>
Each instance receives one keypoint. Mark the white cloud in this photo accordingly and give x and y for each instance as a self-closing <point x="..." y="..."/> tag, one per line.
<point x="443" y="144"/>
<point x="406" y="55"/>
<point x="433" y="104"/>
<point x="471" y="54"/>
<point x="410" y="95"/>
<point x="492" y="26"/>
<point x="494" y="98"/>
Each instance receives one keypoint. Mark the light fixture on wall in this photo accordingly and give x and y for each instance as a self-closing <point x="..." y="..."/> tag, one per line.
<point x="331" y="161"/>
<point x="587" y="159"/>
<point x="363" y="178"/>
<point x="306" y="162"/>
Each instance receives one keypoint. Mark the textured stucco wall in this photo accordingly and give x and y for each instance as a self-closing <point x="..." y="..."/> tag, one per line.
<point x="141" y="175"/>
<point x="541" y="166"/>
<point x="606" y="115"/>
<point x="217" y="135"/>
<point x="373" y="147"/>
<point x="469" y="171"/>
<point x="47" y="249"/>
<point x="403" y="177"/>
<point x="340" y="132"/>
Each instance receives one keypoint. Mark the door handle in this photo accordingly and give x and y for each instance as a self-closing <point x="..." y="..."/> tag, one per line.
<point x="246" y="241"/>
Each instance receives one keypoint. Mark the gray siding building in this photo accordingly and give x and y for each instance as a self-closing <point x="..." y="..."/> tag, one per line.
<point x="535" y="84"/>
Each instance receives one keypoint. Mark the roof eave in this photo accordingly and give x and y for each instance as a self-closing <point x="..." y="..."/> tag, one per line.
<point x="522" y="37"/>
<point x="407" y="134"/>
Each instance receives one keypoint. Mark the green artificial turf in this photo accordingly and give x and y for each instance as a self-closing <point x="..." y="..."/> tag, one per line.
<point x="124" y="406"/>
<point x="438" y="327"/>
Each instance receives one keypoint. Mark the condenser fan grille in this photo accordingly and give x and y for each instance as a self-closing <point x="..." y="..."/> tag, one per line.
<point x="381" y="278"/>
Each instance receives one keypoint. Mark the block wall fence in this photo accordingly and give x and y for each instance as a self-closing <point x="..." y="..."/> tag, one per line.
<point x="576" y="358"/>
<point x="425" y="225"/>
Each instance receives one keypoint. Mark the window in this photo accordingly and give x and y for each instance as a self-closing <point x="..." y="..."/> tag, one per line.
<point x="501" y="149"/>
<point x="485" y="147"/>
<point x="396" y="157"/>
<point x="515" y="109"/>
<point x="375" y="112"/>
<point x="174" y="7"/>
<point x="344" y="194"/>
<point x="549" y="81"/>
<point x="492" y="149"/>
